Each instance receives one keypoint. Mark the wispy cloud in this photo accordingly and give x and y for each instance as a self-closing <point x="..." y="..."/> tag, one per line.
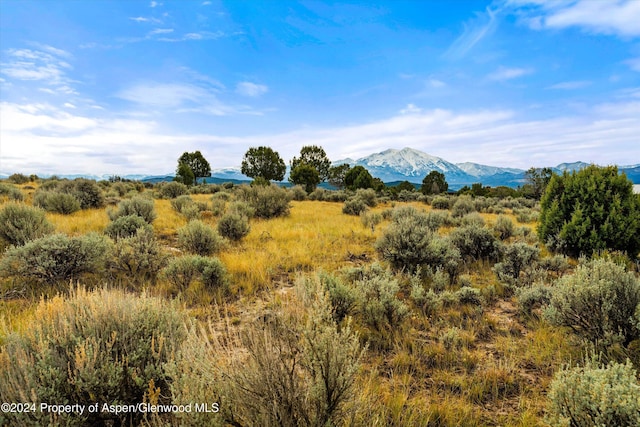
<point x="160" y="31"/>
<point x="435" y="83"/>
<point x="633" y="63"/>
<point x="504" y="73"/>
<point x="155" y="4"/>
<point x="613" y="17"/>
<point x="48" y="66"/>
<point x="202" y="35"/>
<point x="474" y="31"/>
<point x="146" y="19"/>
<point x="577" y="84"/>
<point x="251" y="89"/>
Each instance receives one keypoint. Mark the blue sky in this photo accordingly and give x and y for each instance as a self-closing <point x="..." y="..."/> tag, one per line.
<point x="125" y="87"/>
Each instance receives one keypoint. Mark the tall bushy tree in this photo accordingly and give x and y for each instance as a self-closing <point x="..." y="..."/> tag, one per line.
<point x="337" y="175"/>
<point x="316" y="157"/>
<point x="590" y="210"/>
<point x="358" y="177"/>
<point x="263" y="162"/>
<point x="434" y="183"/>
<point x="537" y="181"/>
<point x="306" y="175"/>
<point x="197" y="163"/>
<point x="184" y="174"/>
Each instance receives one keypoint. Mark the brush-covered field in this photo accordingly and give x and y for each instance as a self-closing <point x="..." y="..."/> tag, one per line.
<point x="264" y="306"/>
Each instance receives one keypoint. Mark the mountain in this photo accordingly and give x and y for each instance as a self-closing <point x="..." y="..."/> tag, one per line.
<point x="570" y="167"/>
<point x="478" y="170"/>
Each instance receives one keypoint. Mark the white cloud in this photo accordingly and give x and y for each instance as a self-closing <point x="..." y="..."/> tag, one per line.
<point x="163" y="95"/>
<point x="154" y="4"/>
<point x="410" y="109"/>
<point x="161" y="31"/>
<point x="251" y="89"/>
<point x="436" y="83"/>
<point x="504" y="73"/>
<point x="474" y="31"/>
<point x="144" y="19"/>
<point x="202" y="35"/>
<point x="577" y="84"/>
<point x="44" y="65"/>
<point x="612" y="17"/>
<point x="633" y="63"/>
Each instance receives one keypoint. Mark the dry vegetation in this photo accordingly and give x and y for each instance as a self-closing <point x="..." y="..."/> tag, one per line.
<point x="420" y="347"/>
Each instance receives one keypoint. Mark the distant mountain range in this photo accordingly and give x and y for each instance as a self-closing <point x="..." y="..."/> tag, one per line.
<point x="406" y="164"/>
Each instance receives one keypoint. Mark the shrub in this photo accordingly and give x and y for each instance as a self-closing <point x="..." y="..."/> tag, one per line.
<point x="589" y="211"/>
<point x="210" y="271"/>
<point x="467" y="295"/>
<point x="199" y="238"/>
<point x="515" y="258"/>
<point x="126" y="226"/>
<point x="343" y="298"/>
<point x="140" y="206"/>
<point x="138" y="256"/>
<point x="425" y="299"/>
<point x="530" y="298"/>
<point x="233" y="226"/>
<point x="18" y="178"/>
<point x="354" y="206"/>
<point x="598" y="302"/>
<point x="242" y="208"/>
<point x="181" y="202"/>
<point x="52" y="201"/>
<point x="595" y="395"/>
<point x="214" y="274"/>
<point x="103" y="346"/>
<point x="298" y="193"/>
<point x="504" y="227"/>
<point x="473" y="218"/>
<point x="368" y="196"/>
<point x="475" y="242"/>
<point x="441" y="202"/>
<point x="171" y="190"/>
<point x="86" y="191"/>
<point x="371" y="219"/>
<point x="20" y="223"/>
<point x="379" y="305"/>
<point x="11" y="192"/>
<point x="462" y="206"/>
<point x="56" y="257"/>
<point x="267" y="201"/>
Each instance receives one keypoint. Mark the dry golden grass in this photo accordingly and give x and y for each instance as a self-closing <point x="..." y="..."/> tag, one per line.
<point x="80" y="222"/>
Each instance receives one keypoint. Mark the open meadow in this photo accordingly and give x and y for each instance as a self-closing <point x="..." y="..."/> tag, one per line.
<point x="277" y="307"/>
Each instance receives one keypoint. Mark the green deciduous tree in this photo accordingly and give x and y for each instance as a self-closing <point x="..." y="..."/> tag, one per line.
<point x="184" y="174"/>
<point x="316" y="157"/>
<point x="197" y="163"/>
<point x="537" y="181"/>
<point x="434" y="183"/>
<point x="590" y="210"/>
<point x="358" y="177"/>
<point x="263" y="162"/>
<point x="337" y="175"/>
<point x="305" y="174"/>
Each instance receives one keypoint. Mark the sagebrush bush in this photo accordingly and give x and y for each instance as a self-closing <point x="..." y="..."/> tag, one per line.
<point x="441" y="202"/>
<point x="462" y="206"/>
<point x="56" y="257"/>
<point x="425" y="299"/>
<point x="298" y="193"/>
<point x="18" y="178"/>
<point x="181" y="202"/>
<point x="354" y="206"/>
<point x="504" y="227"/>
<point x="342" y="297"/>
<point x="598" y="302"/>
<point x="184" y="270"/>
<point x="20" y="223"/>
<point x="86" y="191"/>
<point x="242" y="208"/>
<point x="53" y="201"/>
<point x="379" y="305"/>
<point x="126" y="226"/>
<point x="595" y="395"/>
<point x="11" y="193"/>
<point x="533" y="297"/>
<point x="515" y="258"/>
<point x="139" y="256"/>
<point x="171" y="190"/>
<point x="371" y="219"/>
<point x="473" y="218"/>
<point x="368" y="196"/>
<point x="103" y="346"/>
<point x="141" y="206"/>
<point x="199" y="238"/>
<point x="475" y="242"/>
<point x="233" y="226"/>
<point x="472" y="296"/>
<point x="267" y="201"/>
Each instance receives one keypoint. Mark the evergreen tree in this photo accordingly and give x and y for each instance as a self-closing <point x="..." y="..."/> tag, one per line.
<point x="263" y="162"/>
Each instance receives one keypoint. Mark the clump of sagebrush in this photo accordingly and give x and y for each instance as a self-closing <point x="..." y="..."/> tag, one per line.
<point x="56" y="258"/>
<point x="233" y="226"/>
<point x="354" y="206"/>
<point x="210" y="271"/>
<point x="598" y="302"/>
<point x="368" y="196"/>
<point x="126" y="226"/>
<point x="138" y="257"/>
<point x="298" y="193"/>
<point x="504" y="227"/>
<point x="533" y="297"/>
<point x="409" y="242"/>
<point x="199" y="238"/>
<point x="181" y="202"/>
<point x="341" y="296"/>
<point x="11" y="193"/>
<point x="105" y="346"/>
<point x="515" y="258"/>
<point x="441" y="202"/>
<point x="595" y="395"/>
<point x="371" y="219"/>
<point x="86" y="191"/>
<point x="138" y="205"/>
<point x="475" y="242"/>
<point x="267" y="201"/>
<point x="20" y="223"/>
<point x="292" y="370"/>
<point x="53" y="201"/>
<point x="18" y="178"/>
<point x="171" y="190"/>
<point x="462" y="206"/>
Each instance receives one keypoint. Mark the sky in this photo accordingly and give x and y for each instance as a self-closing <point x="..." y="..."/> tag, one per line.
<point x="125" y="87"/>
